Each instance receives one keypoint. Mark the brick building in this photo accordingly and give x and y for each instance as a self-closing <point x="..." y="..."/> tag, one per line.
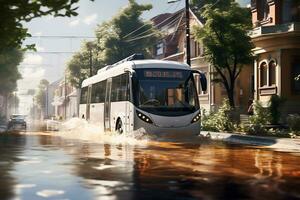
<point x="276" y="36"/>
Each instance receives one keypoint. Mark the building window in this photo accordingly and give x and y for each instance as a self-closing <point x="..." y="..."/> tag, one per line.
<point x="263" y="10"/>
<point x="295" y="73"/>
<point x="295" y="12"/>
<point x="263" y="74"/>
<point x="272" y="73"/>
<point x="290" y="11"/>
<point x="159" y="49"/>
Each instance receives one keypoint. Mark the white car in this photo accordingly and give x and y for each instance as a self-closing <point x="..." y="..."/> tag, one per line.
<point x="53" y="125"/>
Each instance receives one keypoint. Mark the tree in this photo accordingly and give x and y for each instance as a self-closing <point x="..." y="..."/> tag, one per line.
<point x="41" y="93"/>
<point x="14" y="12"/>
<point x="13" y="102"/>
<point x="78" y="68"/>
<point x="9" y="73"/>
<point x="125" y="34"/>
<point x="224" y="35"/>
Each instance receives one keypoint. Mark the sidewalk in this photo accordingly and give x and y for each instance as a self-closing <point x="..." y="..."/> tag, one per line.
<point x="282" y="144"/>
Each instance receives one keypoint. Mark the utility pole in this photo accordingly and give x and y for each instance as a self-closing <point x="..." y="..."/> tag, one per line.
<point x="91" y="63"/>
<point x="15" y="98"/>
<point x="187" y="30"/>
<point x="47" y="101"/>
<point x="65" y="101"/>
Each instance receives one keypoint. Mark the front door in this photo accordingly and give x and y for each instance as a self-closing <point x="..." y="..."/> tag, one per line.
<point x="107" y="125"/>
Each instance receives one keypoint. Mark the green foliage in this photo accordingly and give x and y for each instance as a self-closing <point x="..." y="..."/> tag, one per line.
<point x="294" y="123"/>
<point x="225" y="37"/>
<point x="14" y="12"/>
<point x="258" y="121"/>
<point x="264" y="116"/>
<point x="261" y="114"/>
<point x="114" y="42"/>
<point x="115" y="39"/>
<point x="78" y="68"/>
<point x="9" y="73"/>
<point x="274" y="108"/>
<point x="220" y="120"/>
<point x="41" y="93"/>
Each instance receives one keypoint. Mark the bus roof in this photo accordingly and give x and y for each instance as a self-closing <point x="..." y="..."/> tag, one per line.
<point x="115" y="70"/>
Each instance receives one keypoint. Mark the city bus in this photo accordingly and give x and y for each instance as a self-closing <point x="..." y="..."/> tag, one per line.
<point x="158" y="97"/>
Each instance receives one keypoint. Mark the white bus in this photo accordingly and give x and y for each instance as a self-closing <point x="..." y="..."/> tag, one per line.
<point x="156" y="96"/>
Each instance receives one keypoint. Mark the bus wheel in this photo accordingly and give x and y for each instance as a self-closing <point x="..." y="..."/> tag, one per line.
<point x="119" y="126"/>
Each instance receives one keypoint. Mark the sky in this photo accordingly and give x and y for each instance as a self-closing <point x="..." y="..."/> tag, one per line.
<point x="54" y="52"/>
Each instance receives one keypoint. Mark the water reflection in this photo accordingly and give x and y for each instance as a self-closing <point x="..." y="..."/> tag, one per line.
<point x="166" y="170"/>
<point x="10" y="148"/>
<point x="77" y="169"/>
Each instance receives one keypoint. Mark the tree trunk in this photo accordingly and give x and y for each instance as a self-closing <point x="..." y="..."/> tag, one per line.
<point x="230" y="94"/>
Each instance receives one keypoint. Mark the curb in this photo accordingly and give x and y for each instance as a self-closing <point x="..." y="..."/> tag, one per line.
<point x="283" y="144"/>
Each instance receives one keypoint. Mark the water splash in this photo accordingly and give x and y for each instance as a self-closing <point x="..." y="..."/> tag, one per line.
<point x="76" y="128"/>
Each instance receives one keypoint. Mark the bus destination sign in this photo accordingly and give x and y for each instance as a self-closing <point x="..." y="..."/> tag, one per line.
<point x="162" y="74"/>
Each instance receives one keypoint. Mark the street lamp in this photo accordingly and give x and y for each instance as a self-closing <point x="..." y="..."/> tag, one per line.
<point x="187" y="29"/>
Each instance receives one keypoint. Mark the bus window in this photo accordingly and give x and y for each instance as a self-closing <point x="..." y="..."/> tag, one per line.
<point x="123" y="88"/>
<point x="120" y="88"/>
<point x="115" y="88"/>
<point x="98" y="92"/>
<point x="83" y="97"/>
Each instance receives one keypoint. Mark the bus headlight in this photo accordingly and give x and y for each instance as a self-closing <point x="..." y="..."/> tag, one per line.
<point x="196" y="118"/>
<point x="144" y="117"/>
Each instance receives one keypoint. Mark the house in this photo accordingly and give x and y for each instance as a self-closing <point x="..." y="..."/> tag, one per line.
<point x="49" y="110"/>
<point x="172" y="47"/>
<point x="65" y="100"/>
<point x="276" y="36"/>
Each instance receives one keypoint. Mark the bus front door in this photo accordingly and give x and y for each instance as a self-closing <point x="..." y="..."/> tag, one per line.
<point x="88" y="103"/>
<point x="107" y="125"/>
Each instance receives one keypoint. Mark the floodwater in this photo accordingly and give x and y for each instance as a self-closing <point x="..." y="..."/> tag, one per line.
<point x="42" y="165"/>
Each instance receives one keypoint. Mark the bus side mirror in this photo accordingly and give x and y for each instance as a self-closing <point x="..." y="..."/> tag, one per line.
<point x="203" y="79"/>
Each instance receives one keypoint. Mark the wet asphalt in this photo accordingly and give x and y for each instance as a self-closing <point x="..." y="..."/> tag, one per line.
<point x="43" y="165"/>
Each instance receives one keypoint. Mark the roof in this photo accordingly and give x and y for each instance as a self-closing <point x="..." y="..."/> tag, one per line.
<point x="135" y="64"/>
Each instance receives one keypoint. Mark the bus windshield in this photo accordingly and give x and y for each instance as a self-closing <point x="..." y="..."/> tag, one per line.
<point x="168" y="92"/>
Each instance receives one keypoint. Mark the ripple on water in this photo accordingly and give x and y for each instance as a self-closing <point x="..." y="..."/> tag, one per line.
<point x="23" y="186"/>
<point x="50" y="193"/>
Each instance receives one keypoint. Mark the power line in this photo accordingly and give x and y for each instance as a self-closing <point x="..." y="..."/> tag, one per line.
<point x="147" y="24"/>
<point x="51" y="52"/>
<point x="63" y="36"/>
<point x="145" y="36"/>
<point x="170" y="23"/>
<point x="150" y="28"/>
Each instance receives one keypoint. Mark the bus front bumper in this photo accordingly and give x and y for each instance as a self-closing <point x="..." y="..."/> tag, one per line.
<point x="169" y="132"/>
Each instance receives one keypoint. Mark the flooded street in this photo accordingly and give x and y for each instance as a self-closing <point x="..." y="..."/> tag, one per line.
<point x="46" y="166"/>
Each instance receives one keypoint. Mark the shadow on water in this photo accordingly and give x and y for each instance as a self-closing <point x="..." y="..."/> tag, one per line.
<point x="10" y="148"/>
<point x="173" y="170"/>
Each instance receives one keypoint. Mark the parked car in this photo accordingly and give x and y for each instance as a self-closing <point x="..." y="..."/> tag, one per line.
<point x="53" y="125"/>
<point x="17" y="121"/>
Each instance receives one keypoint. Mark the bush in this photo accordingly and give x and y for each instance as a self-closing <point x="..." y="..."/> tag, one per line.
<point x="258" y="121"/>
<point x="294" y="123"/>
<point x="274" y="108"/>
<point x="220" y="120"/>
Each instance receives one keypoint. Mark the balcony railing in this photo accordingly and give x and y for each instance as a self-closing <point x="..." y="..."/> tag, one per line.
<point x="282" y="28"/>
